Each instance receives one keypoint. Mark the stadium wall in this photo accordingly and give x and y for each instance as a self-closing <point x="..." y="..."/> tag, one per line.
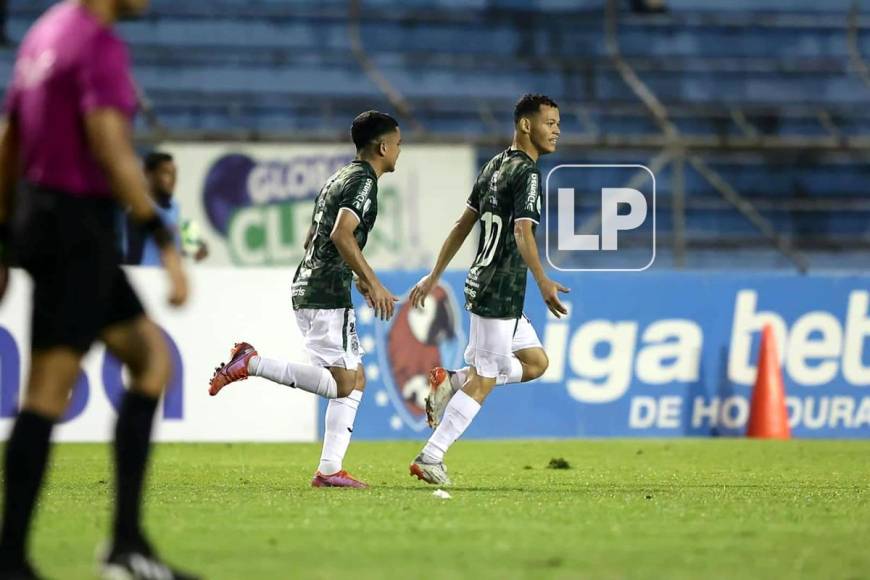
<point x="226" y="307"/>
<point x="652" y="354"/>
<point x="647" y="354"/>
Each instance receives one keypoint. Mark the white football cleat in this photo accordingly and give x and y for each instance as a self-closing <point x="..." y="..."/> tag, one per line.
<point x="434" y="473"/>
<point x="440" y="393"/>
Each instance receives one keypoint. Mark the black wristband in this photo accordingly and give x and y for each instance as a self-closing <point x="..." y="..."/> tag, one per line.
<point x="158" y="230"/>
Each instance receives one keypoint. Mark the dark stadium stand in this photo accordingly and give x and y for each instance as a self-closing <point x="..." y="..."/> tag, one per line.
<point x="768" y="92"/>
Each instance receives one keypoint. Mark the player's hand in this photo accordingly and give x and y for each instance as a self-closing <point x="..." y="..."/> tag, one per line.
<point x="550" y="293"/>
<point x="177" y="278"/>
<point x="382" y="301"/>
<point x="4" y="279"/>
<point x="201" y="252"/>
<point x="365" y="290"/>
<point x="421" y="290"/>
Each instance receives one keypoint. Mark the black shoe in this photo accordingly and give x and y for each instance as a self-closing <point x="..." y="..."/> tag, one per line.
<point x="139" y="565"/>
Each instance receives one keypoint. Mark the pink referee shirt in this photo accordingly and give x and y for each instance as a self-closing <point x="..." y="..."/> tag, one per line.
<point x="69" y="64"/>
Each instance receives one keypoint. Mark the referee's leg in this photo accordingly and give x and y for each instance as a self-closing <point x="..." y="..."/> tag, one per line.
<point x="141" y="346"/>
<point x="53" y="372"/>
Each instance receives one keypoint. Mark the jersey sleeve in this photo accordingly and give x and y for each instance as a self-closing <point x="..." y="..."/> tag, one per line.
<point x="105" y="79"/>
<point x="355" y="194"/>
<point x="527" y="196"/>
<point x="473" y="201"/>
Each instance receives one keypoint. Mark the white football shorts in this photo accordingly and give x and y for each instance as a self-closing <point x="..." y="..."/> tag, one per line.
<point x="330" y="337"/>
<point x="492" y="342"/>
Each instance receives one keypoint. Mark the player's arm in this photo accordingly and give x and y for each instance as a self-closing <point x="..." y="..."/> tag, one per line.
<point x="527" y="213"/>
<point x="380" y="299"/>
<point x="451" y="245"/>
<point x="364" y="290"/>
<point x="108" y="133"/>
<point x="525" y="237"/>
<point x="8" y="180"/>
<point x="8" y="167"/>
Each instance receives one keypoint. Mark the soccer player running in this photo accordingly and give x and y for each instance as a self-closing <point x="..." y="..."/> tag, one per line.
<point x="67" y="135"/>
<point x="344" y="215"/>
<point x="502" y="346"/>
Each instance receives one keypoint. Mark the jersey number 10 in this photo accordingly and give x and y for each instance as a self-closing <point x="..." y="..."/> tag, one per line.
<point x="492" y="225"/>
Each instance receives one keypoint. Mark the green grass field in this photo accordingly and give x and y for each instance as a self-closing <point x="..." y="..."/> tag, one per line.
<point x="625" y="509"/>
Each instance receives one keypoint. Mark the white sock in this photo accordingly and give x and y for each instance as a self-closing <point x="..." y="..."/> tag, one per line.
<point x="460" y="411"/>
<point x="515" y="376"/>
<point x="458" y="378"/>
<point x="340" y="414"/>
<point x="306" y="377"/>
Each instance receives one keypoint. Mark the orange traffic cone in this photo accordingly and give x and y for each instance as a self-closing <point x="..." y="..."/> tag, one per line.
<point x="768" y="416"/>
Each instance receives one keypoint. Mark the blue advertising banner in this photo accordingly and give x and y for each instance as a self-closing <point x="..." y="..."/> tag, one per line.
<point x="640" y="355"/>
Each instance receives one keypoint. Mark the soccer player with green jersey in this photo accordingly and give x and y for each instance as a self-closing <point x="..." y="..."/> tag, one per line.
<point x="502" y="346"/>
<point x="344" y="215"/>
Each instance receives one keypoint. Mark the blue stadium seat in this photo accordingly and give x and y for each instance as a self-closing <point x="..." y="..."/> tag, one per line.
<point x="261" y="66"/>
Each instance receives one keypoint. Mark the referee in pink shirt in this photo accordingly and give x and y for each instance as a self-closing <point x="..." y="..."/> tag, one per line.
<point x="67" y="137"/>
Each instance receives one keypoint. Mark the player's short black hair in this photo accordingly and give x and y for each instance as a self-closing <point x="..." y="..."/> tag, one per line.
<point x="368" y="126"/>
<point x="530" y="104"/>
<point x="155" y="159"/>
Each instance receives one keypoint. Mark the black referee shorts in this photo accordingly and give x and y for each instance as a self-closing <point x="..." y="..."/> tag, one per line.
<point x="69" y="246"/>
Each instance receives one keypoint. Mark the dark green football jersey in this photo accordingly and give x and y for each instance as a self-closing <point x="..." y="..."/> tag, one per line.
<point x="508" y="189"/>
<point x="323" y="279"/>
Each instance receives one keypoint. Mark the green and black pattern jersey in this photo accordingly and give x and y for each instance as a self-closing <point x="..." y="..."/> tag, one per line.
<point x="323" y="279"/>
<point x="507" y="189"/>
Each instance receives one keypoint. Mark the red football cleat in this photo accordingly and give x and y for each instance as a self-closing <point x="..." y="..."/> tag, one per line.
<point x="235" y="370"/>
<point x="340" y="479"/>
